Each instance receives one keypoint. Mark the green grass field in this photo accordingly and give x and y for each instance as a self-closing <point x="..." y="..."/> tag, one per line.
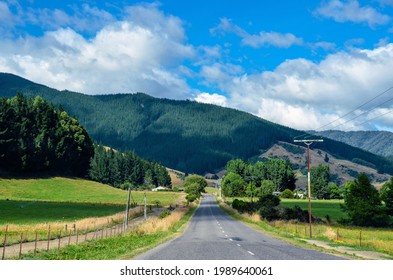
<point x="35" y="212"/>
<point x="29" y="201"/>
<point x="320" y="208"/>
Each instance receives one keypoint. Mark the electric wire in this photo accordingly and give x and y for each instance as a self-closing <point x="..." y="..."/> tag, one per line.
<point x="354" y="110"/>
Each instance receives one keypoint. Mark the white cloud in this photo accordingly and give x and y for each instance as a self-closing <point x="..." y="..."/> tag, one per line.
<point x="281" y="40"/>
<point x="307" y="95"/>
<point x="351" y="11"/>
<point x="141" y="53"/>
<point x="214" y="98"/>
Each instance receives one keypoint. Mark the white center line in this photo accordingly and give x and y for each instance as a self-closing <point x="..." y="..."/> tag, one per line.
<point x="230" y="239"/>
<point x="238" y="245"/>
<point x="251" y="253"/>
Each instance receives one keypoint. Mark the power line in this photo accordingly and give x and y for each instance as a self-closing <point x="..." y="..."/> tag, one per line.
<point x="364" y="113"/>
<point x="360" y="106"/>
<point x="352" y="111"/>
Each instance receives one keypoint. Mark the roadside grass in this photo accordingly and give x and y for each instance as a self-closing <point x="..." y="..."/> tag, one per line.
<point x="59" y="229"/>
<point x="359" y="238"/>
<point x="148" y="235"/>
<point x="76" y="190"/>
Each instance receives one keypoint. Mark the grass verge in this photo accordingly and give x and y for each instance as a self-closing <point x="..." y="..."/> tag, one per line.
<point x="150" y="234"/>
<point x="362" y="239"/>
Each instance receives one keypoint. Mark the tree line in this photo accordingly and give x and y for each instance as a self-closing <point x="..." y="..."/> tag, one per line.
<point x="243" y="178"/>
<point x="36" y="137"/>
<point x="125" y="170"/>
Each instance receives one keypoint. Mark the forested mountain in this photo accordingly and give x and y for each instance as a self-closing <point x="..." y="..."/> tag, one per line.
<point x="377" y="142"/>
<point x="183" y="135"/>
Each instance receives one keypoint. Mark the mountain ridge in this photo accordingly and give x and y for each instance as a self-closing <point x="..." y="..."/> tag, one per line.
<point x="181" y="134"/>
<point x="377" y="142"/>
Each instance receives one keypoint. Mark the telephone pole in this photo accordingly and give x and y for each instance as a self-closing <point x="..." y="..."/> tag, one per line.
<point x="308" y="142"/>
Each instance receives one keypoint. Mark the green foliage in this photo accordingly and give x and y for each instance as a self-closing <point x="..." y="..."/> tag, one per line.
<point x="195" y="184"/>
<point x="164" y="214"/>
<point x="320" y="177"/>
<point x="387" y="196"/>
<point x="233" y="185"/>
<point x="268" y="209"/>
<point x="363" y="203"/>
<point x="287" y="193"/>
<point x="36" y="137"/>
<point x="267" y="187"/>
<point x="240" y="205"/>
<point x="277" y="171"/>
<point x="125" y="170"/>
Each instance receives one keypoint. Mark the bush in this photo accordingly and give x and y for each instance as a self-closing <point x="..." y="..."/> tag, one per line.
<point x="268" y="207"/>
<point x="164" y="214"/>
<point x="287" y="193"/>
<point x="191" y="198"/>
<point x="241" y="206"/>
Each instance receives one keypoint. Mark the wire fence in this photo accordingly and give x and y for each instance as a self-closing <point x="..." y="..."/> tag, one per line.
<point x="16" y="242"/>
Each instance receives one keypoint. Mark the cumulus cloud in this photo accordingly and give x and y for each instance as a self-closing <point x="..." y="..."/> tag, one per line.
<point x="138" y="53"/>
<point x="351" y="11"/>
<point x="307" y="95"/>
<point x="214" y="98"/>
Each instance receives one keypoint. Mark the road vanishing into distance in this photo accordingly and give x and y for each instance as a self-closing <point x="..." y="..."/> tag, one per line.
<point x="214" y="235"/>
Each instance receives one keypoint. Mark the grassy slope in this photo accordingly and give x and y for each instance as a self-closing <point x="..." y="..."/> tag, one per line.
<point x="74" y="190"/>
<point x="59" y="199"/>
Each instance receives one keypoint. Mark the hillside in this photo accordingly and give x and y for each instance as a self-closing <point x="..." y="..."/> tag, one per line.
<point x="377" y="142"/>
<point x="182" y="135"/>
<point x="341" y="170"/>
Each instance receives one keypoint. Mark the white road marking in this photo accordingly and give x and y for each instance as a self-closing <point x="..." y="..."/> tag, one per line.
<point x="230" y="239"/>
<point x="251" y="253"/>
<point x="238" y="245"/>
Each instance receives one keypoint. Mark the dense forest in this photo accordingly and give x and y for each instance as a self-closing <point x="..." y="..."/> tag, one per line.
<point x="183" y="135"/>
<point x="124" y="170"/>
<point x="35" y="136"/>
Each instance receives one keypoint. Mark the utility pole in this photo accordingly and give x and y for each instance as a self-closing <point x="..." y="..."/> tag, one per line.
<point x="308" y="142"/>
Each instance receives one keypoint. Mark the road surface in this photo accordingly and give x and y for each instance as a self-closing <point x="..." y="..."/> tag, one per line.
<point x="214" y="235"/>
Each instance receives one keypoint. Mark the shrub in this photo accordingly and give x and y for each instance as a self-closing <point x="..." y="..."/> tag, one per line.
<point x="268" y="207"/>
<point x="287" y="193"/>
<point x="164" y="214"/>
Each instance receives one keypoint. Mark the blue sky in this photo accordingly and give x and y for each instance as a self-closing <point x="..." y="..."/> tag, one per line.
<point x="299" y="63"/>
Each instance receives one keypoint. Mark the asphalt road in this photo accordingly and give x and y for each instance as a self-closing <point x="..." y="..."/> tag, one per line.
<point x="213" y="235"/>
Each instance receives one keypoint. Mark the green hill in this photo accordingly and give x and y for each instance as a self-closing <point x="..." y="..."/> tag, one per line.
<point x="182" y="135"/>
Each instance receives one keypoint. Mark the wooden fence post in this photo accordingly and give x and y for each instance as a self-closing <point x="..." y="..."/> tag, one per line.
<point x="47" y="248"/>
<point x="360" y="238"/>
<point x="69" y="238"/>
<point x="337" y="233"/>
<point x="20" y="244"/>
<point x="35" y="242"/>
<point x="58" y="245"/>
<point x="77" y="235"/>
<point x="5" y="242"/>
